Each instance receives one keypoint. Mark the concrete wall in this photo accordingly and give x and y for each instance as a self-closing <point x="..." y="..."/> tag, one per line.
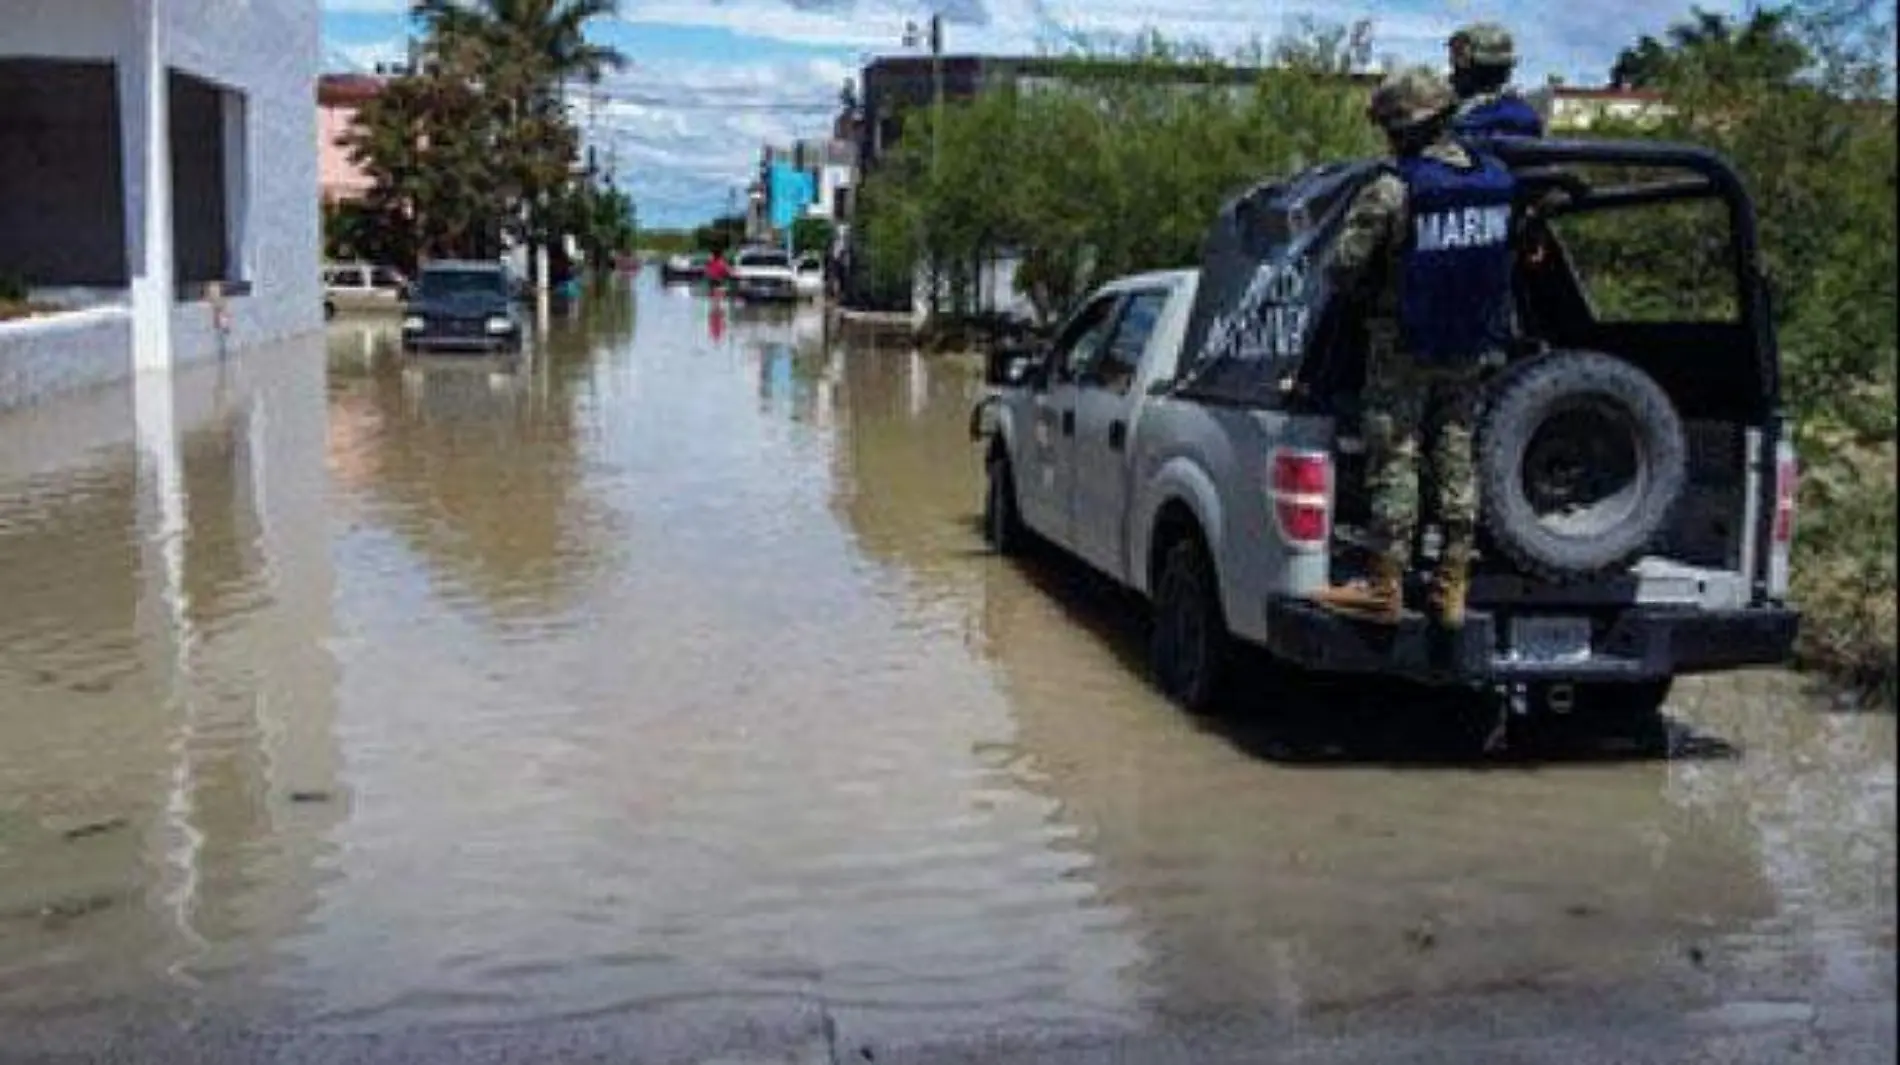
<point x="268" y="50"/>
<point x="63" y="353"/>
<point x="832" y="178"/>
<point x="267" y="53"/>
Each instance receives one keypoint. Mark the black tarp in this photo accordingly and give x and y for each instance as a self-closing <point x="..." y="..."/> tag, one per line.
<point x="1263" y="292"/>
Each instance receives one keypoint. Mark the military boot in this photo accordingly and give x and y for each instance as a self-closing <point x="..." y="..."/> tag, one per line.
<point x="1450" y="584"/>
<point x="1381" y="599"/>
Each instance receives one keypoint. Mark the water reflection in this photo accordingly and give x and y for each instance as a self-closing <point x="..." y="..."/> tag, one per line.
<point x="159" y="766"/>
<point x="475" y="464"/>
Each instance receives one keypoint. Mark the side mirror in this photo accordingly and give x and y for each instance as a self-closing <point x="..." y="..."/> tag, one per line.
<point x="1011" y="366"/>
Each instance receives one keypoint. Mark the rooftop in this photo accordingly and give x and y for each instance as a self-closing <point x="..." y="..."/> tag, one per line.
<point x="347" y="90"/>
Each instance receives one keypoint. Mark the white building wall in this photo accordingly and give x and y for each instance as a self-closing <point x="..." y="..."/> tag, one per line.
<point x="831" y="178"/>
<point x="63" y="353"/>
<point x="268" y="50"/>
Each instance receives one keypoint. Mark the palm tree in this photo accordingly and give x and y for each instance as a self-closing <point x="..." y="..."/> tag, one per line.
<point x="549" y="35"/>
<point x="534" y="46"/>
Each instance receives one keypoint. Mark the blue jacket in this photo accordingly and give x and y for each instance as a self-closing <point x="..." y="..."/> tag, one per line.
<point x="1505" y="114"/>
<point x="1456" y="263"/>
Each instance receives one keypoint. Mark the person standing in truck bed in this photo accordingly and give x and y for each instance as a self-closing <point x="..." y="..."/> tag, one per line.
<point x="1483" y="57"/>
<point x="1430" y="238"/>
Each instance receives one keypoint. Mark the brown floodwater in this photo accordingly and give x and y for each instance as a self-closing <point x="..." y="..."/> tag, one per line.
<point x="665" y="679"/>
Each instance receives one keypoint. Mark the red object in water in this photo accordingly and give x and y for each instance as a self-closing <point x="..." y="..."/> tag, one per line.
<point x="717" y="271"/>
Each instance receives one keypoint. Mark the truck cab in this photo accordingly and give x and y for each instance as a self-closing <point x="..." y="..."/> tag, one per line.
<point x="1193" y="435"/>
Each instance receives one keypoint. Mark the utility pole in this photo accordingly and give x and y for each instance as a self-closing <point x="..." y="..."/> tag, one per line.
<point x="936" y="91"/>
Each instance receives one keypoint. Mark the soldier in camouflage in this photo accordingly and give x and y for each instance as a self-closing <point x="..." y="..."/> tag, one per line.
<point x="1483" y="57"/>
<point x="1427" y="243"/>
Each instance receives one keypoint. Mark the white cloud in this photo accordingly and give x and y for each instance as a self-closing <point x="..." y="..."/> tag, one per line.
<point x="683" y="133"/>
<point x="366" y="56"/>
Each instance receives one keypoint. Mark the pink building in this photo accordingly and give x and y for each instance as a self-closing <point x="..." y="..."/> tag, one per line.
<point x="338" y="98"/>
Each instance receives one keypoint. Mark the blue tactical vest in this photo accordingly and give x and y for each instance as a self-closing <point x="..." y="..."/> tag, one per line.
<point x="1506" y="115"/>
<point x="1455" y="266"/>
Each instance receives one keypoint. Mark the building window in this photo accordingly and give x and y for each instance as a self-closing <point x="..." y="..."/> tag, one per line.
<point x="210" y="145"/>
<point x="62" y="184"/>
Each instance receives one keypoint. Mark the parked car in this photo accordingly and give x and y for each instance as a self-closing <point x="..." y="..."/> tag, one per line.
<point x="362" y="287"/>
<point x="809" y="277"/>
<point x="1195" y="435"/>
<point x="682" y="268"/>
<point x="764" y="275"/>
<point x="463" y="307"/>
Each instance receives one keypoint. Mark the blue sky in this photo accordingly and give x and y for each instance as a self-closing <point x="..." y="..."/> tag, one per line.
<point x="714" y="79"/>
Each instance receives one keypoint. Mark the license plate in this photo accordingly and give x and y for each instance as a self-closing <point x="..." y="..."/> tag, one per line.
<point x="1543" y="639"/>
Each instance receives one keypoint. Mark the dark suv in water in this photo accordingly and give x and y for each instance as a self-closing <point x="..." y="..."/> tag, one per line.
<point x="463" y="307"/>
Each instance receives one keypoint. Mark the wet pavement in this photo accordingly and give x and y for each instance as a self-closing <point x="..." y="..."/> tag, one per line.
<point x="657" y="700"/>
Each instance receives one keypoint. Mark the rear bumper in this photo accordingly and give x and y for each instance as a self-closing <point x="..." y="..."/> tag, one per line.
<point x="1629" y="645"/>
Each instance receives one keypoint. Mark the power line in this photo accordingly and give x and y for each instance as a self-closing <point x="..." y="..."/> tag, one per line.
<point x="748" y="107"/>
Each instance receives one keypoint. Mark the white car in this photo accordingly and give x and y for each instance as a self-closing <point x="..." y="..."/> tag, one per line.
<point x="809" y="276"/>
<point x="361" y="287"/>
<point x="764" y="274"/>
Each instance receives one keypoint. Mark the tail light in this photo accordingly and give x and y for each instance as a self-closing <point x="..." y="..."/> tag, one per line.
<point x="1787" y="487"/>
<point x="1300" y="483"/>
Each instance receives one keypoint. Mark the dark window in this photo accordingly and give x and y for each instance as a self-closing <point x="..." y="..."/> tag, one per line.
<point x="441" y="284"/>
<point x="62" y="200"/>
<point x="1084" y="336"/>
<point x="200" y="244"/>
<point x="1121" y="357"/>
<point x="384" y="277"/>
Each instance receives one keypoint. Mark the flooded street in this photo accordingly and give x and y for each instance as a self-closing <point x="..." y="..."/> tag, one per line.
<point x="658" y="700"/>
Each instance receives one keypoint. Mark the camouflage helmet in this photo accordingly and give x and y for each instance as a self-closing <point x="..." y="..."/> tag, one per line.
<point x="1410" y="97"/>
<point x="1482" y="44"/>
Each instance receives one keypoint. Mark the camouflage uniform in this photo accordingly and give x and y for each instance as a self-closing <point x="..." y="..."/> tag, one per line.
<point x="1403" y="399"/>
<point x="1482" y="49"/>
<point x="1482" y="44"/>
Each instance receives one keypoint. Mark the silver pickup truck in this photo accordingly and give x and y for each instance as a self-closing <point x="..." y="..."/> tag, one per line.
<point x="1192" y="434"/>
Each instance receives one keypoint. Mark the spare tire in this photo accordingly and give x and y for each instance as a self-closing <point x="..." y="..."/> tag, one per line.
<point x="1580" y="462"/>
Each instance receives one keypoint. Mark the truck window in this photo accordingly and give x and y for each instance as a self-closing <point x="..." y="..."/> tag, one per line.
<point x="384" y="277"/>
<point x="1079" y="343"/>
<point x="449" y="283"/>
<point x="1121" y="357"/>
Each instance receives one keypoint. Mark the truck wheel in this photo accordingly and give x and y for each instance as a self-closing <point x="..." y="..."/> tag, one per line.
<point x="1002" y="522"/>
<point x="1189" y="651"/>
<point x="1580" y="461"/>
